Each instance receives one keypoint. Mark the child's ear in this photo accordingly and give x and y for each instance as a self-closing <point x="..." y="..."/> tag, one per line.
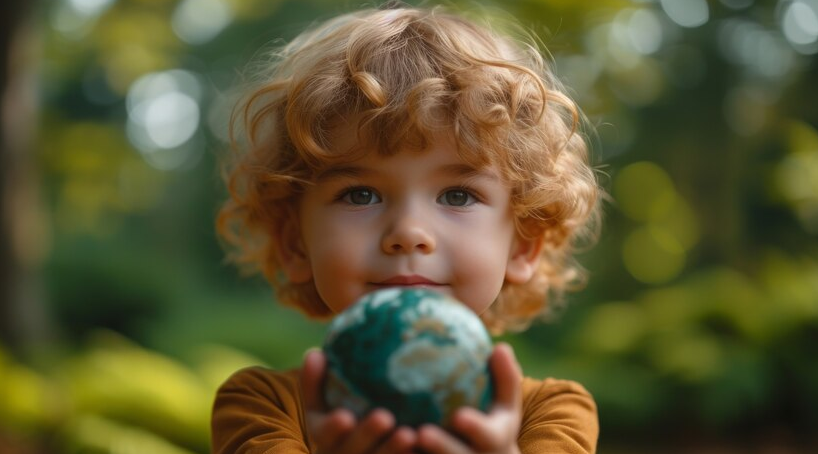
<point x="523" y="259"/>
<point x="292" y="254"/>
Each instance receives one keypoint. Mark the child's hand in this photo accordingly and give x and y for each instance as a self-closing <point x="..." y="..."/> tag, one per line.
<point x="338" y="431"/>
<point x="473" y="431"/>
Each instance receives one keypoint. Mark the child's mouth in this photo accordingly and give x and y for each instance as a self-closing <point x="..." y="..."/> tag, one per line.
<point x="408" y="281"/>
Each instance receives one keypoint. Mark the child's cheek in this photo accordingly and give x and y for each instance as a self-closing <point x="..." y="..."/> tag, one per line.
<point x="341" y="273"/>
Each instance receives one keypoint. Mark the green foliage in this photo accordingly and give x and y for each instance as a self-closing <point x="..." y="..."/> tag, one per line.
<point x="115" y="396"/>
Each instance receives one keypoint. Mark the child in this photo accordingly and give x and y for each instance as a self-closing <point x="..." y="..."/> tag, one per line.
<point x="408" y="147"/>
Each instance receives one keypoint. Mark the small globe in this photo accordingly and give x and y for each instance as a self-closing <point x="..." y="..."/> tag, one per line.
<point x="415" y="352"/>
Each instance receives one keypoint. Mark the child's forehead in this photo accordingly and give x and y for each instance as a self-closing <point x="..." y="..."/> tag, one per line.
<point x="351" y="145"/>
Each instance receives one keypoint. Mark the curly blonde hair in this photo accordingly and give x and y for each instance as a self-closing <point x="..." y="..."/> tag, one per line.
<point x="407" y="74"/>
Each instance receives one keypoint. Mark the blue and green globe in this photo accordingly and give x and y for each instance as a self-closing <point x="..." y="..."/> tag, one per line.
<point x="417" y="353"/>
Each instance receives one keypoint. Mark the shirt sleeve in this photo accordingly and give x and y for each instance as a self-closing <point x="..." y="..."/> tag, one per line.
<point x="559" y="417"/>
<point x="258" y="411"/>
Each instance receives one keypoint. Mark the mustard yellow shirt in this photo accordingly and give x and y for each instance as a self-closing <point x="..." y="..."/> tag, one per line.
<point x="259" y="411"/>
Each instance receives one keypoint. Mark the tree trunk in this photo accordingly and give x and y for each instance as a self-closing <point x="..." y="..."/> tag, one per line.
<point x="20" y="226"/>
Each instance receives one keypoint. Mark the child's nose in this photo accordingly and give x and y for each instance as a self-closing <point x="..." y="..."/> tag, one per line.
<point x="408" y="234"/>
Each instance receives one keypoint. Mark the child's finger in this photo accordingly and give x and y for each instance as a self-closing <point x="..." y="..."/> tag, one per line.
<point x="487" y="432"/>
<point x="499" y="428"/>
<point x="330" y="430"/>
<point x="475" y="427"/>
<point x="312" y="374"/>
<point x="434" y="440"/>
<point x="401" y="441"/>
<point x="508" y="377"/>
<point x="369" y="433"/>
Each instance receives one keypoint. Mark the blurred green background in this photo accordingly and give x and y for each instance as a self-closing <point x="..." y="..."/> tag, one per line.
<point x="696" y="333"/>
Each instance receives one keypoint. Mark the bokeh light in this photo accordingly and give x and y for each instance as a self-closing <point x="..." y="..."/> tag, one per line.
<point x="796" y="176"/>
<point x="761" y="51"/>
<point x="90" y="7"/>
<point x="799" y="23"/>
<point x="616" y="327"/>
<point x="639" y="29"/>
<point x="69" y="22"/>
<point x="656" y="249"/>
<point x="691" y="355"/>
<point x="199" y="21"/>
<point x="687" y="13"/>
<point x="644" y="191"/>
<point x="163" y="116"/>
<point x="653" y="255"/>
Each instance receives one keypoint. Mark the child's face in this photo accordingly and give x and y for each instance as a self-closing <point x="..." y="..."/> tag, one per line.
<point x="413" y="219"/>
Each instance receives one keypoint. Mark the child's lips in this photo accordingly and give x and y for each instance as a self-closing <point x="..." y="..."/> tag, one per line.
<point x="408" y="281"/>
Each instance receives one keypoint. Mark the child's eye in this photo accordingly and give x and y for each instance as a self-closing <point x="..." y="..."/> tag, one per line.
<point x="360" y="196"/>
<point x="456" y="198"/>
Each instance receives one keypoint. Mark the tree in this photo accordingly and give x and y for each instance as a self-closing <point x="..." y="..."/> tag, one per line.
<point x="17" y="189"/>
